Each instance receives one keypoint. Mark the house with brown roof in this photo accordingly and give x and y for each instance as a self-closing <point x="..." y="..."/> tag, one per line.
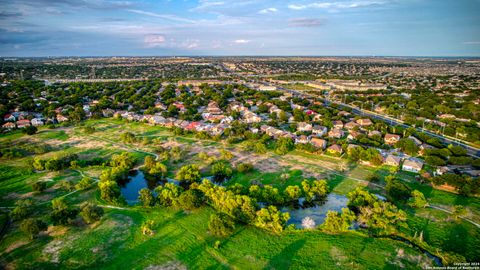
<point x="353" y="135"/>
<point x="61" y="118"/>
<point x="319" y="143"/>
<point x="335" y="133"/>
<point x="302" y="127"/>
<point x="338" y="124"/>
<point x="391" y="138"/>
<point x="412" y="165"/>
<point x="364" y="122"/>
<point x="351" y="125"/>
<point x="392" y="160"/>
<point x="335" y="149"/>
<point x="8" y="125"/>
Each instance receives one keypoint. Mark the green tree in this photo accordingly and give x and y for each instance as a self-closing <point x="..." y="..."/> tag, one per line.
<point x="284" y="145"/>
<point x="90" y="212"/>
<point x="85" y="183"/>
<point x="190" y="199"/>
<point x="109" y="191"/>
<point x="146" y="197"/>
<point x="396" y="190"/>
<point x="22" y="209"/>
<point x="271" y="219"/>
<point x="167" y="194"/>
<point x="29" y="130"/>
<point x="221" y="170"/>
<point x="417" y="200"/>
<point x="293" y="193"/>
<point x="221" y="225"/>
<point x="188" y="173"/>
<point x="39" y="186"/>
<point x="33" y="227"/>
<point x="335" y="223"/>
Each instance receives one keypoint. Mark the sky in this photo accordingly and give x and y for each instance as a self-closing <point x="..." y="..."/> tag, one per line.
<point x="239" y="27"/>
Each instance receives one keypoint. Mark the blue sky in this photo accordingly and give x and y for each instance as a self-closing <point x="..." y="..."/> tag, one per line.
<point x="240" y="27"/>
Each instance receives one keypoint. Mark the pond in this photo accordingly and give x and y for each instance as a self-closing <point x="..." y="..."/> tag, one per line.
<point x="136" y="181"/>
<point x="317" y="213"/>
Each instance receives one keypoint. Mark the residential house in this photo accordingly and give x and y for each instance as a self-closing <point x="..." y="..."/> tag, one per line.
<point x="9" y="118"/>
<point x="23" y="123"/>
<point x="304" y="127"/>
<point x="37" y="122"/>
<point x="61" y="118"/>
<point x="338" y="124"/>
<point x="392" y="160"/>
<point x="319" y="130"/>
<point x="412" y="165"/>
<point x="9" y="125"/>
<point x="319" y="143"/>
<point x="335" y="133"/>
<point x="302" y="139"/>
<point x="391" y="139"/>
<point x="251" y="117"/>
<point x="353" y="135"/>
<point x="351" y="125"/>
<point x="335" y="149"/>
<point x="415" y="140"/>
<point x="374" y="133"/>
<point x="364" y="122"/>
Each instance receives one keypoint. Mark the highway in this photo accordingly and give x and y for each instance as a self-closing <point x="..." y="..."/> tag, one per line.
<point x="471" y="150"/>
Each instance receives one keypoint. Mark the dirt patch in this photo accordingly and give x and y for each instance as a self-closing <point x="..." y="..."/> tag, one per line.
<point x="12" y="196"/>
<point x="56" y="230"/>
<point x="15" y="246"/>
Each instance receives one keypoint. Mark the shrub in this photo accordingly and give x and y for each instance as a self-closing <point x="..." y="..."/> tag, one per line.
<point x="221" y="225"/>
<point x="33" y="227"/>
<point x="190" y="199"/>
<point x="39" y="186"/>
<point x="244" y="167"/>
<point x="90" y="212"/>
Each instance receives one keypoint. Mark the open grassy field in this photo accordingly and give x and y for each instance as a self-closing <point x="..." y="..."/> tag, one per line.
<point x="182" y="240"/>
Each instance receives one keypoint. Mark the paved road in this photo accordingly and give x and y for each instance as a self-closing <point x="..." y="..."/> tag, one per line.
<point x="471" y="150"/>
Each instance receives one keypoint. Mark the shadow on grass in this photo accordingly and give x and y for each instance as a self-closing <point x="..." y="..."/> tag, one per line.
<point x="283" y="260"/>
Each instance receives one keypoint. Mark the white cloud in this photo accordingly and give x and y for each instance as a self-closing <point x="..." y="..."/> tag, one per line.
<point x="268" y="10"/>
<point x="305" y="22"/>
<point x="471" y="42"/>
<point x="161" y="16"/>
<point x="241" y="41"/>
<point x="152" y="41"/>
<point x="336" y="5"/>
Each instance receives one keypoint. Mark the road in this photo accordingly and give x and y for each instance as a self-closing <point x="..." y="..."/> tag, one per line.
<point x="471" y="150"/>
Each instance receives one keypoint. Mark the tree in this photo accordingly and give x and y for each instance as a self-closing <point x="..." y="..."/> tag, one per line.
<point x="221" y="170"/>
<point x="61" y="213"/>
<point x="314" y="190"/>
<point x="225" y="154"/>
<point x="190" y="199"/>
<point x="158" y="170"/>
<point x="382" y="218"/>
<point x="221" y="225"/>
<point x="396" y="190"/>
<point x="147" y="227"/>
<point x="167" y="194"/>
<point x="335" y="223"/>
<point x="38" y="164"/>
<point x="33" y="227"/>
<point x="417" y="200"/>
<point x="408" y="146"/>
<point x="30" y="130"/>
<point x="39" y="186"/>
<point x="124" y="160"/>
<point x="22" y="209"/>
<point x="284" y="145"/>
<point x="271" y="219"/>
<point x="109" y="191"/>
<point x="128" y="137"/>
<point x="90" y="212"/>
<point x="244" y="167"/>
<point x="292" y="193"/>
<point x="188" y="173"/>
<point x="85" y="183"/>
<point x="359" y="198"/>
<point x="435" y="161"/>
<point x="146" y="197"/>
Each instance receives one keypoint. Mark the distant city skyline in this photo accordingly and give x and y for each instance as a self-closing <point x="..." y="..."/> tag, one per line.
<point x="246" y="27"/>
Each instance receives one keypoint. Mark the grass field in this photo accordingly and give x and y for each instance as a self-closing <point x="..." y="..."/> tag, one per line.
<point x="182" y="239"/>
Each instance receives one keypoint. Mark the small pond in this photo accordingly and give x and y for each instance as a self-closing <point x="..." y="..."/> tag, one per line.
<point x="318" y="213"/>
